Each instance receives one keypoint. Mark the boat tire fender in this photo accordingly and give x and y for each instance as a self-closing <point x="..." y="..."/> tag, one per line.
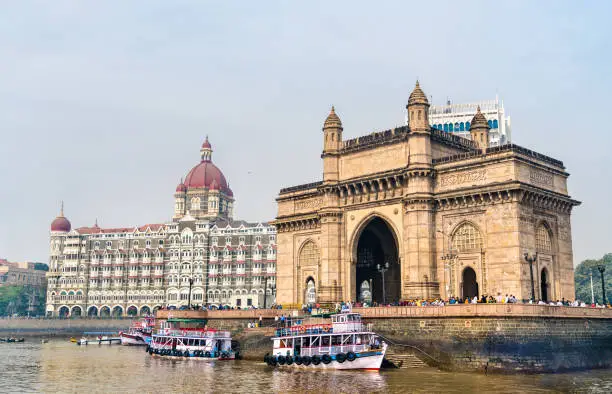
<point x="351" y="356"/>
<point x="306" y="360"/>
<point x="225" y="355"/>
<point x="207" y="354"/>
<point x="341" y="357"/>
<point x="298" y="360"/>
<point x="281" y="360"/>
<point x="289" y="360"/>
<point x="326" y="359"/>
<point x="316" y="360"/>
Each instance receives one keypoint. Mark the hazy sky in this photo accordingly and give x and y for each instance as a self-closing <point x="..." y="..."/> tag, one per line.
<point x="104" y="104"/>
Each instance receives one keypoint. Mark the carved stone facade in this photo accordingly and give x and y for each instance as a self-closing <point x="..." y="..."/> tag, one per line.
<point x="434" y="214"/>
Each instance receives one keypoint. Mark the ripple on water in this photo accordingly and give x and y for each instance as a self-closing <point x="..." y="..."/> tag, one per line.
<point x="61" y="366"/>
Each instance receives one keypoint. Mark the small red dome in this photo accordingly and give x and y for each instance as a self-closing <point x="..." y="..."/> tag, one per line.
<point x="181" y="188"/>
<point x="61" y="224"/>
<point x="204" y="174"/>
<point x="206" y="144"/>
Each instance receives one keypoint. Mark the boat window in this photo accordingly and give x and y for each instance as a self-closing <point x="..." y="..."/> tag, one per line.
<point x="325" y="340"/>
<point x="336" y="340"/>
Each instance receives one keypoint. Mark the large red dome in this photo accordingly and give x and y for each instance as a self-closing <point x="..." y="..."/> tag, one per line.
<point x="204" y="174"/>
<point x="61" y="224"/>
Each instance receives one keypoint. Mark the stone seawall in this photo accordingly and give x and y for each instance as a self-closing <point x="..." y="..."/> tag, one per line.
<point x="59" y="327"/>
<point x="489" y="337"/>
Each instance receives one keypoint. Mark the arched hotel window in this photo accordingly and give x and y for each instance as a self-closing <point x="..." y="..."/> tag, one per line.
<point x="490" y="123"/>
<point x="446" y="127"/>
<point x="543" y="243"/>
<point x="462" y="126"/>
<point x="467" y="238"/>
<point x="195" y="204"/>
<point x="495" y="125"/>
<point x="467" y="125"/>
<point x="450" y="127"/>
<point x="309" y="255"/>
<point x="457" y="126"/>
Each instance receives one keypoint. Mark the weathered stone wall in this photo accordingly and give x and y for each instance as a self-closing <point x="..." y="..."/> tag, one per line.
<point x="59" y="327"/>
<point x="492" y="337"/>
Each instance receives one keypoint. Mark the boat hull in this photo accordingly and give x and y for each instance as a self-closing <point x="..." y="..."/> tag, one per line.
<point x="132" y="340"/>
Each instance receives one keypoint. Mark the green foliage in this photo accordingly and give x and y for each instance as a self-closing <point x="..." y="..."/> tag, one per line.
<point x="17" y="300"/>
<point x="583" y="282"/>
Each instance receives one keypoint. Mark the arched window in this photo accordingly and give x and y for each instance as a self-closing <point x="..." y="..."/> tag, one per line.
<point x="450" y="127"/>
<point x="446" y="127"/>
<point x="309" y="255"/>
<point x="195" y="204"/>
<point x="495" y="124"/>
<point x="462" y="126"/>
<point x="467" y="125"/>
<point x="543" y="243"/>
<point x="467" y="238"/>
<point x="490" y="123"/>
<point x="457" y="127"/>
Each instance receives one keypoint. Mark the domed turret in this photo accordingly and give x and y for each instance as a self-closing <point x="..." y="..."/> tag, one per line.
<point x="479" y="130"/>
<point x="332" y="120"/>
<point x="181" y="188"/>
<point x="418" y="96"/>
<point x="60" y="223"/>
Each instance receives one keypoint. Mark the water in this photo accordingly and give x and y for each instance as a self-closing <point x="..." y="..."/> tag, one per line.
<point x="60" y="366"/>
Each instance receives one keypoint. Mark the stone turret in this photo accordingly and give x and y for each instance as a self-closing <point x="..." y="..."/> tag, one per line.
<point x="418" y="109"/>
<point x="332" y="143"/>
<point x="479" y="130"/>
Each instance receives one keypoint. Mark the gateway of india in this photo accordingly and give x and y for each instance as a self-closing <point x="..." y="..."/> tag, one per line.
<point x="416" y="212"/>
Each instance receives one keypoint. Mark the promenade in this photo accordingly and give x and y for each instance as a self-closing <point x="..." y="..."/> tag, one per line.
<point x="459" y="310"/>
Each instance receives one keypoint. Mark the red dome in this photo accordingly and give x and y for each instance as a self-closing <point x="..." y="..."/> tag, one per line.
<point x="181" y="188"/>
<point x="204" y="174"/>
<point x="206" y="144"/>
<point x="61" y="224"/>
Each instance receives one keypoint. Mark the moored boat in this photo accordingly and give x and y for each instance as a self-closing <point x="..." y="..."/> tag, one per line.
<point x="197" y="344"/>
<point x="139" y="333"/>
<point x="346" y="343"/>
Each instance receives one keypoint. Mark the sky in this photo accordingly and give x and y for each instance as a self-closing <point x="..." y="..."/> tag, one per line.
<point x="104" y="104"/>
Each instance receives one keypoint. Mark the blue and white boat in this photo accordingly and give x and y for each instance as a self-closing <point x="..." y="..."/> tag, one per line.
<point x="346" y="343"/>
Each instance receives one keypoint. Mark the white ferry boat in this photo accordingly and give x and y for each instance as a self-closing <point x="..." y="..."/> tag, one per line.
<point x="200" y="344"/>
<point x="346" y="343"/>
<point x="139" y="333"/>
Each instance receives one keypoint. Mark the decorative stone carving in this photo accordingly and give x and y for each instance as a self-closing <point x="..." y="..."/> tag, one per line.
<point x="462" y="178"/>
<point x="541" y="178"/>
<point x="308" y="204"/>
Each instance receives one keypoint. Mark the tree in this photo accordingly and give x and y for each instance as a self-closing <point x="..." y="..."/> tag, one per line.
<point x="583" y="282"/>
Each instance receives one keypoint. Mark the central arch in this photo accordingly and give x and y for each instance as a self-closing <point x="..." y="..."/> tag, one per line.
<point x="544" y="284"/>
<point x="376" y="247"/>
<point x="469" y="285"/>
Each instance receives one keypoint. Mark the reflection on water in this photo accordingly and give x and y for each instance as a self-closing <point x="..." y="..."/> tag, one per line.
<point x="60" y="366"/>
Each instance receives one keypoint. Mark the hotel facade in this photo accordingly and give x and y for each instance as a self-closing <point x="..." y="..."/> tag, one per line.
<point x="202" y="257"/>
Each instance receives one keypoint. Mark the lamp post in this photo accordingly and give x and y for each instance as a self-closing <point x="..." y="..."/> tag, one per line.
<point x="530" y="259"/>
<point x="382" y="271"/>
<point x="189" y="300"/>
<point x="602" y="269"/>
<point x="592" y="292"/>
<point x="265" y="290"/>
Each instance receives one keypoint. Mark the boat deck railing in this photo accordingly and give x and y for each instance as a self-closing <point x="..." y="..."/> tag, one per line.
<point x="194" y="334"/>
<point x="317" y="329"/>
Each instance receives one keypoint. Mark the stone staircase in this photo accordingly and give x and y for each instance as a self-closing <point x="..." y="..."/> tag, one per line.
<point x="404" y="360"/>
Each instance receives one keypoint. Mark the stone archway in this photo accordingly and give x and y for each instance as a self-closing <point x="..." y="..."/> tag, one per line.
<point x="311" y="291"/>
<point x="92" y="312"/>
<point x="469" y="285"/>
<point x="76" y="311"/>
<point x="132" y="311"/>
<point x="544" y="285"/>
<point x="145" y="311"/>
<point x="105" y="311"/>
<point x="117" y="311"/>
<point x="376" y="247"/>
<point x="63" y="312"/>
